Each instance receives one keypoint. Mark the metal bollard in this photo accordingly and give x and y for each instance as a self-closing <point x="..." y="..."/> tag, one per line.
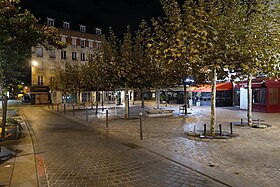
<point x="107" y="117"/>
<point x="194" y="129"/>
<point x="220" y="126"/>
<point x="52" y="106"/>
<point x="141" y="130"/>
<point x="86" y="114"/>
<point x="204" y="129"/>
<point x="57" y="107"/>
<point x="73" y="110"/>
<point x="230" y="128"/>
<point x="17" y="131"/>
<point x="241" y="121"/>
<point x="64" y="108"/>
<point x="259" y="122"/>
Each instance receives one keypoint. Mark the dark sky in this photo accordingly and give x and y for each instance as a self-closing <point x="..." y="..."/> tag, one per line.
<point x="96" y="13"/>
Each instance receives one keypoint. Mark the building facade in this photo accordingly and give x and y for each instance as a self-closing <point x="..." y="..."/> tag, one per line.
<point x="81" y="45"/>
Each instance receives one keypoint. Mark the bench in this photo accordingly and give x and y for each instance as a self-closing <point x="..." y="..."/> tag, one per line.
<point x="157" y="113"/>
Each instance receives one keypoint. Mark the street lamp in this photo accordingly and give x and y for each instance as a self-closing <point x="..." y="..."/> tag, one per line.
<point x="187" y="81"/>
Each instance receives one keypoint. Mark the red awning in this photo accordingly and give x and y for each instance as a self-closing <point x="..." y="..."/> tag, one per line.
<point x="208" y="88"/>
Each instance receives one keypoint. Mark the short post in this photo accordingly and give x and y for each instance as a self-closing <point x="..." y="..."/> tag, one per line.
<point x="17" y="131"/>
<point x="230" y="128"/>
<point x="64" y="108"/>
<point x="241" y="121"/>
<point x="194" y="129"/>
<point x="57" y="105"/>
<point x="141" y="130"/>
<point x="204" y="129"/>
<point x="86" y="114"/>
<point x="52" y="106"/>
<point x="107" y="117"/>
<point x="259" y="122"/>
<point x="220" y="126"/>
<point x="73" y="110"/>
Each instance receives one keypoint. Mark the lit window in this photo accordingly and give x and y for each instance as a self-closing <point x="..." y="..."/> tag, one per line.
<point x="39" y="52"/>
<point x="63" y="55"/>
<point x="97" y="31"/>
<point x="50" y="22"/>
<point x="74" y="42"/>
<point x="82" y="28"/>
<point x="66" y="25"/>
<point x="83" y="57"/>
<point x="90" y="44"/>
<point x="74" y="55"/>
<point x="52" y="53"/>
<point x="63" y="39"/>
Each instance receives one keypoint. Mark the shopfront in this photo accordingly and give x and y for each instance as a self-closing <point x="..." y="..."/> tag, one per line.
<point x="40" y="95"/>
<point x="265" y="93"/>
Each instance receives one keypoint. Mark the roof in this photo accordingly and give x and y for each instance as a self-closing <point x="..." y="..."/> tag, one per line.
<point x="219" y="87"/>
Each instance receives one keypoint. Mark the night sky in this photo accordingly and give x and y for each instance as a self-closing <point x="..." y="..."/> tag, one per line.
<point x="96" y="13"/>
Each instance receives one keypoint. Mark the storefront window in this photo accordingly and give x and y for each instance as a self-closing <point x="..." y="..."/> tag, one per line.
<point x="259" y="95"/>
<point x="274" y="96"/>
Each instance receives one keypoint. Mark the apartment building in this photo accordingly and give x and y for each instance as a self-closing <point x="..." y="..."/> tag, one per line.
<point x="81" y="42"/>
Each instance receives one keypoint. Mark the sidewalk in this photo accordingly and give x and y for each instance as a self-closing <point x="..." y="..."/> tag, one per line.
<point x="252" y="156"/>
<point x="19" y="169"/>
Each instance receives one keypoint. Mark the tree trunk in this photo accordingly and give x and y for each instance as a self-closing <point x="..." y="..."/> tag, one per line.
<point x="97" y="100"/>
<point x="213" y="103"/>
<point x="158" y="98"/>
<point x="249" y="110"/>
<point x="142" y="99"/>
<point x="4" y="110"/>
<point x="126" y="103"/>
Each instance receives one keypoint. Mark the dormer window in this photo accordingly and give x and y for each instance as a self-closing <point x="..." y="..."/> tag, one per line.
<point x="97" y="31"/>
<point x="66" y="25"/>
<point x="82" y="28"/>
<point x="50" y="22"/>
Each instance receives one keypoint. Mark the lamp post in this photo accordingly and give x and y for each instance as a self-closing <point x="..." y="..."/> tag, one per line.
<point x="187" y="81"/>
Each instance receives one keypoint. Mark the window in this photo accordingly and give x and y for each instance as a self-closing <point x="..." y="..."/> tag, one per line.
<point x="82" y="28"/>
<point x="259" y="95"/>
<point x="97" y="31"/>
<point x="83" y="57"/>
<point x="273" y="96"/>
<point x="50" y="22"/>
<point x="52" y="79"/>
<point x="91" y="57"/>
<point x="52" y="53"/>
<point x="66" y="25"/>
<point x="63" y="39"/>
<point x="74" y="42"/>
<point x="63" y="55"/>
<point x="98" y="45"/>
<point x="82" y="43"/>
<point x="90" y="44"/>
<point x="40" y="80"/>
<point x="39" y="52"/>
<point x="74" y="55"/>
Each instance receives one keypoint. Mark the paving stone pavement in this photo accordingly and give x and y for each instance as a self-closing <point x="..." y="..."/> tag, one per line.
<point x="76" y="155"/>
<point x="254" y="154"/>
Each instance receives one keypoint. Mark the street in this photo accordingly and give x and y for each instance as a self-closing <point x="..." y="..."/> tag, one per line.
<point x="69" y="153"/>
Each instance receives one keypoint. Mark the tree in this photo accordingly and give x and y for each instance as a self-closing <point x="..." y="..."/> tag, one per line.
<point x="256" y="44"/>
<point x="143" y="68"/>
<point x="18" y="33"/>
